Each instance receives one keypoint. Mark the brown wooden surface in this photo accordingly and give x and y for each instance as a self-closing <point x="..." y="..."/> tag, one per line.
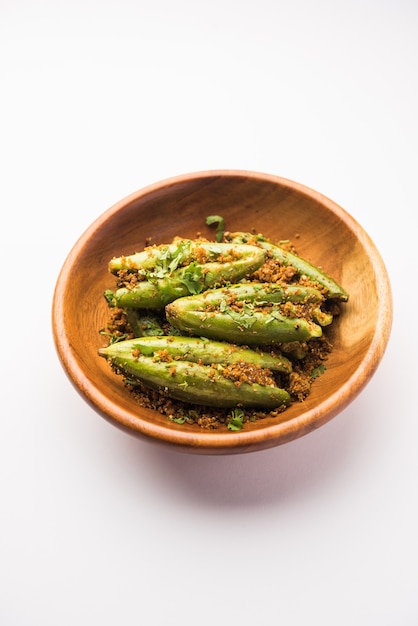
<point x="324" y="233"/>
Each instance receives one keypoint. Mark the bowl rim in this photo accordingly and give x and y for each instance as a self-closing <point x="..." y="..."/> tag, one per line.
<point x="217" y="442"/>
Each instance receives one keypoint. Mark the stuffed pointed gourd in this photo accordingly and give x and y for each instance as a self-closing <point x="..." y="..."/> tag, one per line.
<point x="302" y="266"/>
<point x="250" y="313"/>
<point x="182" y="268"/>
<point x="193" y="381"/>
<point x="198" y="350"/>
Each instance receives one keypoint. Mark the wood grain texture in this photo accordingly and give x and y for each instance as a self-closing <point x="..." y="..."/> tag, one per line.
<point x="324" y="233"/>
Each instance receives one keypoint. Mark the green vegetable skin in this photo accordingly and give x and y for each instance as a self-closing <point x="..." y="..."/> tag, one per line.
<point x="303" y="267"/>
<point x="198" y="350"/>
<point x="190" y="381"/>
<point x="210" y="315"/>
<point x="170" y="272"/>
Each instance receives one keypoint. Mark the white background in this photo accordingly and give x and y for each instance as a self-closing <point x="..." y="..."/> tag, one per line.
<point x="99" y="99"/>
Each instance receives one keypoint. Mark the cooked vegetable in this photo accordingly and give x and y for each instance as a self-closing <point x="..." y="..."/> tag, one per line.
<point x="303" y="267"/>
<point x="251" y="313"/>
<point x="198" y="350"/>
<point x="232" y="326"/>
<point x="193" y="382"/>
<point x="168" y="272"/>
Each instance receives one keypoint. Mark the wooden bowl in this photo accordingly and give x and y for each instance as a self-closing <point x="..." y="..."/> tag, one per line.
<point x="324" y="233"/>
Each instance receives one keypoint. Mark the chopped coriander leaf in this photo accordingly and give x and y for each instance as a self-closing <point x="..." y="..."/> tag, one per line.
<point x="217" y="219"/>
<point x="114" y="338"/>
<point x="236" y="421"/>
<point x="318" y="371"/>
<point x="178" y="420"/>
<point x="192" y="278"/>
<point x="169" y="260"/>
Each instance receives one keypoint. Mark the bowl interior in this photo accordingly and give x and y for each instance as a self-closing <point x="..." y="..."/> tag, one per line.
<point x="322" y="232"/>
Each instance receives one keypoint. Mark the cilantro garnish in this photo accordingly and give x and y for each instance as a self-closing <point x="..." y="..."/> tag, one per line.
<point x="236" y="420"/>
<point x="113" y="338"/>
<point x="192" y="278"/>
<point x="217" y="219"/>
<point x="318" y="371"/>
<point x="169" y="260"/>
<point x="178" y="420"/>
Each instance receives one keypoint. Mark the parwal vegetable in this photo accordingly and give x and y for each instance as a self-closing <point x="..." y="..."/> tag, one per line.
<point x="252" y="313"/>
<point x="165" y="273"/>
<point x="303" y="267"/>
<point x="194" y="381"/>
<point x="197" y="350"/>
